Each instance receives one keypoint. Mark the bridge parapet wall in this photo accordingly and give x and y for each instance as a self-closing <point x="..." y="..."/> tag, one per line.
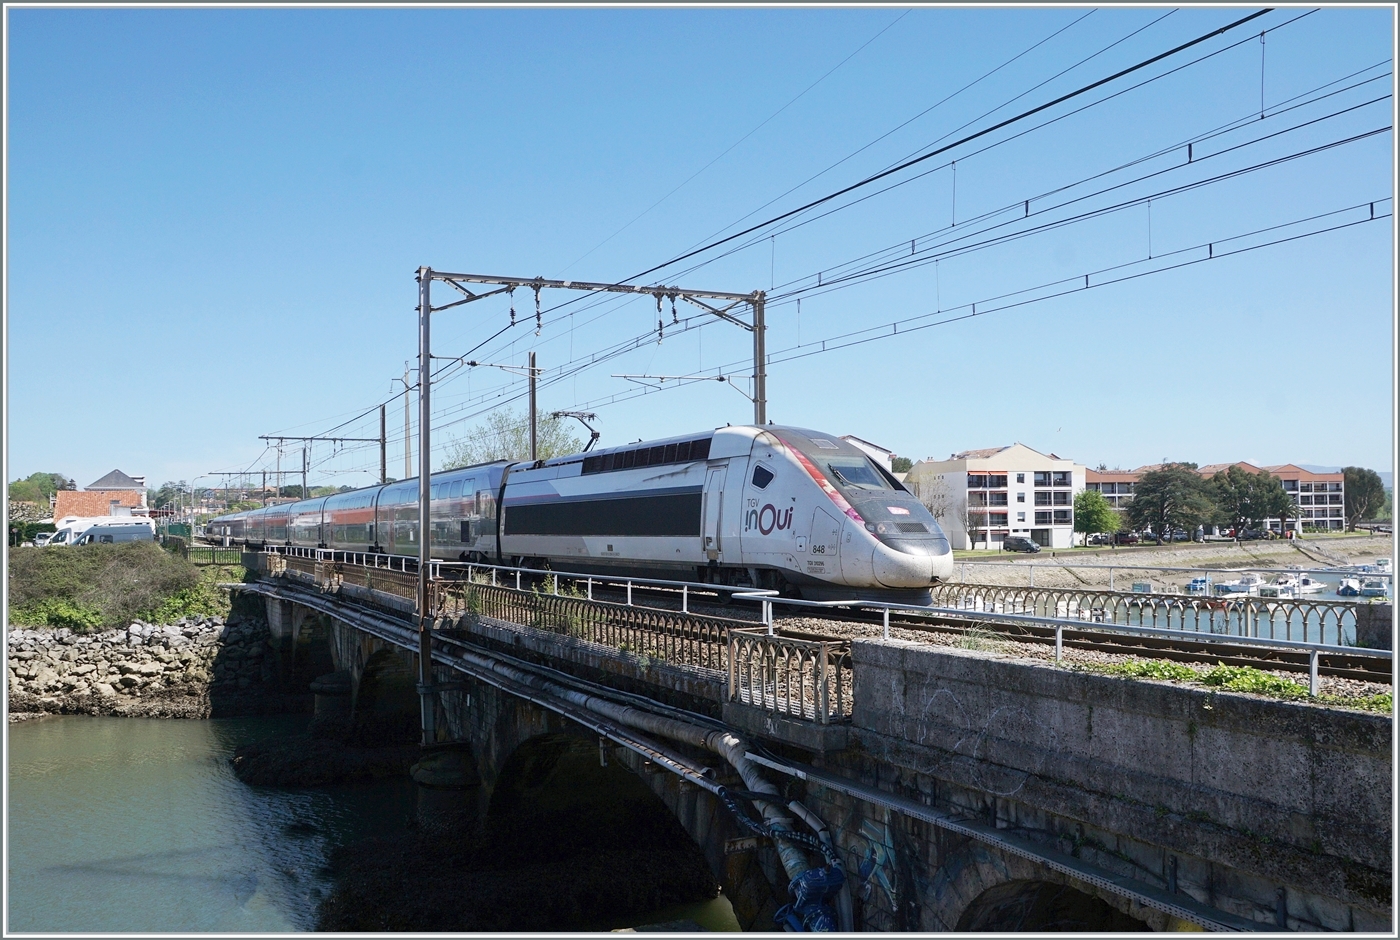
<point x="1279" y="812"/>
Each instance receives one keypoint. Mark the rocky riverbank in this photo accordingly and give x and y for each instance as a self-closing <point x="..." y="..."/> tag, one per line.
<point x="195" y="668"/>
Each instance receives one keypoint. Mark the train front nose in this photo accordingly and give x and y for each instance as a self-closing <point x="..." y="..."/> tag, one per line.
<point x="904" y="563"/>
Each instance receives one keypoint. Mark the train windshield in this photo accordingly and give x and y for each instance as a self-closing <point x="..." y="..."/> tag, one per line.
<point x="856" y="473"/>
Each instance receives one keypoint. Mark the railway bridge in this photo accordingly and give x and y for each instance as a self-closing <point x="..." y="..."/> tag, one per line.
<point x="956" y="791"/>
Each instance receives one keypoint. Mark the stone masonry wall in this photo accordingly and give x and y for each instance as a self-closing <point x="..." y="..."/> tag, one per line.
<point x="197" y="668"/>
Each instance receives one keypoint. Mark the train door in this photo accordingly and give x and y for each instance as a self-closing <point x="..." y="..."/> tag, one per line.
<point x="713" y="518"/>
<point x="825" y="541"/>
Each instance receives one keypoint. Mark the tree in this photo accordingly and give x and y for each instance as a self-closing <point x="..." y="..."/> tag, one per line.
<point x="901" y="465"/>
<point x="38" y="487"/>
<point x="171" y="493"/>
<point x="934" y="494"/>
<point x="505" y="435"/>
<point x="1244" y="500"/>
<point x="1093" y="513"/>
<point x="972" y="520"/>
<point x="1173" y="497"/>
<point x="1364" y="496"/>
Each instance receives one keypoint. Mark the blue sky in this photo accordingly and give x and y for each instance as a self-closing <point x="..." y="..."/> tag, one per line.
<point x="214" y="217"/>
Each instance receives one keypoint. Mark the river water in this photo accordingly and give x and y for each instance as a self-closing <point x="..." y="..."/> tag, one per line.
<point x="139" y="825"/>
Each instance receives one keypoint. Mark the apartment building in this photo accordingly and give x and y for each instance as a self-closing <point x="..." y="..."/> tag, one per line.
<point x="981" y="496"/>
<point x="1320" y="497"/>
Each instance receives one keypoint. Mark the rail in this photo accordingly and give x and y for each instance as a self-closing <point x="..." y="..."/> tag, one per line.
<point x="809" y="680"/>
<point x="1259" y="622"/>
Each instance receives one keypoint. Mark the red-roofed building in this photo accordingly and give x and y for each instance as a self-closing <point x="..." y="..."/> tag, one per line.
<point x="115" y="494"/>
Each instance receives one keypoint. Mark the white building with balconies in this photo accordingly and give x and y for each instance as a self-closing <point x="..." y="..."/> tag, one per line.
<point x="981" y="496"/>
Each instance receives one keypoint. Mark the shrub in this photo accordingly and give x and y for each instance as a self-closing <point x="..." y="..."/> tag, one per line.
<point x="89" y="587"/>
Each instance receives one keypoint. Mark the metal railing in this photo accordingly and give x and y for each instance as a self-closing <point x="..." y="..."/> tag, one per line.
<point x="809" y="680"/>
<point x="1335" y="572"/>
<point x="667" y="636"/>
<point x="1309" y="620"/>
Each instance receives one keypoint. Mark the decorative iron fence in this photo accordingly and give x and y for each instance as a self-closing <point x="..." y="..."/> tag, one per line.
<point x="1311" y="621"/>
<point x="665" y="636"/>
<point x="810" y="680"/>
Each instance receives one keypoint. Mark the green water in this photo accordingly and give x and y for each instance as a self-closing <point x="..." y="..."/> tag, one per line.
<point x="125" y="824"/>
<point x="136" y="825"/>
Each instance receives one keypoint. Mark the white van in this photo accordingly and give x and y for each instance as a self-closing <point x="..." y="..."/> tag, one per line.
<point x="105" y="529"/>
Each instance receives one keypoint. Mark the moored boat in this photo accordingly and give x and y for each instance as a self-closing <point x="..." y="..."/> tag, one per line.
<point x="1349" y="587"/>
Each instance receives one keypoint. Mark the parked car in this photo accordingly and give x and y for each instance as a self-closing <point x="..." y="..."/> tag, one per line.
<point x="1126" y="538"/>
<point x="1019" y="543"/>
<point x="1100" y="538"/>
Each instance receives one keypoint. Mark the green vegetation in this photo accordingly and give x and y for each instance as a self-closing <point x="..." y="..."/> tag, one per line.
<point x="1249" y="679"/>
<point x="1092" y="513"/>
<point x="1151" y="669"/>
<point x="38" y="487"/>
<point x="1364" y="495"/>
<point x="102" y="587"/>
<point x="1244" y="500"/>
<point x="901" y="465"/>
<point x="975" y="638"/>
<point x="1174" y="497"/>
<point x="1236" y="679"/>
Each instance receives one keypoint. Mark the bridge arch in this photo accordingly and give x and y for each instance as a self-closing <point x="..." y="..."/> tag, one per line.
<point x="1043" y="907"/>
<point x="981" y="890"/>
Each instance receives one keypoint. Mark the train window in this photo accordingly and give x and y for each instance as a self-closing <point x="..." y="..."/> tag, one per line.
<point x="857" y="472"/>
<point x="700" y="450"/>
<point x="669" y="456"/>
<point x="762" y="476"/>
<point x="456" y="489"/>
<point x="683" y="451"/>
<point x="629" y="460"/>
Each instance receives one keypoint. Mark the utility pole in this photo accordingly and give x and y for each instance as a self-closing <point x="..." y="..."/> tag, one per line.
<point x="282" y="439"/>
<point x="425" y="636"/>
<point x="279" y="469"/>
<point x="264" y="489"/>
<point x="534" y="429"/>
<point x="407" y="461"/>
<point x="383" y="450"/>
<point x="304" y="493"/>
<point x="760" y="363"/>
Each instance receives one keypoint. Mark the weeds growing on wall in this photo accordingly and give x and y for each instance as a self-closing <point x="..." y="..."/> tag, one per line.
<point x="101" y="587"/>
<point x="1237" y="679"/>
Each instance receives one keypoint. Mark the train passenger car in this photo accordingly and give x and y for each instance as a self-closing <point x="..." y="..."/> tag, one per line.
<point x="775" y="507"/>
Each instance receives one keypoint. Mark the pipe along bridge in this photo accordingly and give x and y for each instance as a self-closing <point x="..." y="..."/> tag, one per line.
<point x="874" y="784"/>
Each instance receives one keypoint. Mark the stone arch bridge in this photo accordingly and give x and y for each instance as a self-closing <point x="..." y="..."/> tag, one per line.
<point x="960" y="791"/>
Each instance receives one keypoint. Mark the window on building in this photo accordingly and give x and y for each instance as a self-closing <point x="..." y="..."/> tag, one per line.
<point x="1125" y="487"/>
<point x="1305" y="488"/>
<point x="1042" y="499"/>
<point x="1106" y="488"/>
<point x="1335" y="513"/>
<point x="1334" y="498"/>
<point x="1020" y="478"/>
<point x="1305" y="500"/>
<point x="996" y="481"/>
<point x="1044" y="518"/>
<point x="1336" y="487"/>
<point x="1062" y="517"/>
<point x="1290" y="485"/>
<point x="996" y="518"/>
<point x="1063" y="499"/>
<point x="1020" y="497"/>
<point x="1042" y="478"/>
<point x="1020" y="517"/>
<point x="996" y="499"/>
<point x="1061" y="478"/>
<point x="977" y="481"/>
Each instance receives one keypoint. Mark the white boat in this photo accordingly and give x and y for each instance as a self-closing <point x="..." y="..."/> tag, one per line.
<point x="1198" y="586"/>
<point x="1349" y="587"/>
<point x="1374" y="587"/>
<point x="1307" y="584"/>
<point x="1285" y="585"/>
<point x="1383" y="565"/>
<point x="1246" y="584"/>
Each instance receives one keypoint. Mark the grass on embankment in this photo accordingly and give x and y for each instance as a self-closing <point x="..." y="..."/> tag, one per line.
<point x="1237" y="679"/>
<point x="88" y="588"/>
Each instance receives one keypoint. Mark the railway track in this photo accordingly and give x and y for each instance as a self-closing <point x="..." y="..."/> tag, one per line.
<point x="1341" y="664"/>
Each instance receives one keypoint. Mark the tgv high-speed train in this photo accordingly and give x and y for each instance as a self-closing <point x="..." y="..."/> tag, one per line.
<point x="772" y="507"/>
